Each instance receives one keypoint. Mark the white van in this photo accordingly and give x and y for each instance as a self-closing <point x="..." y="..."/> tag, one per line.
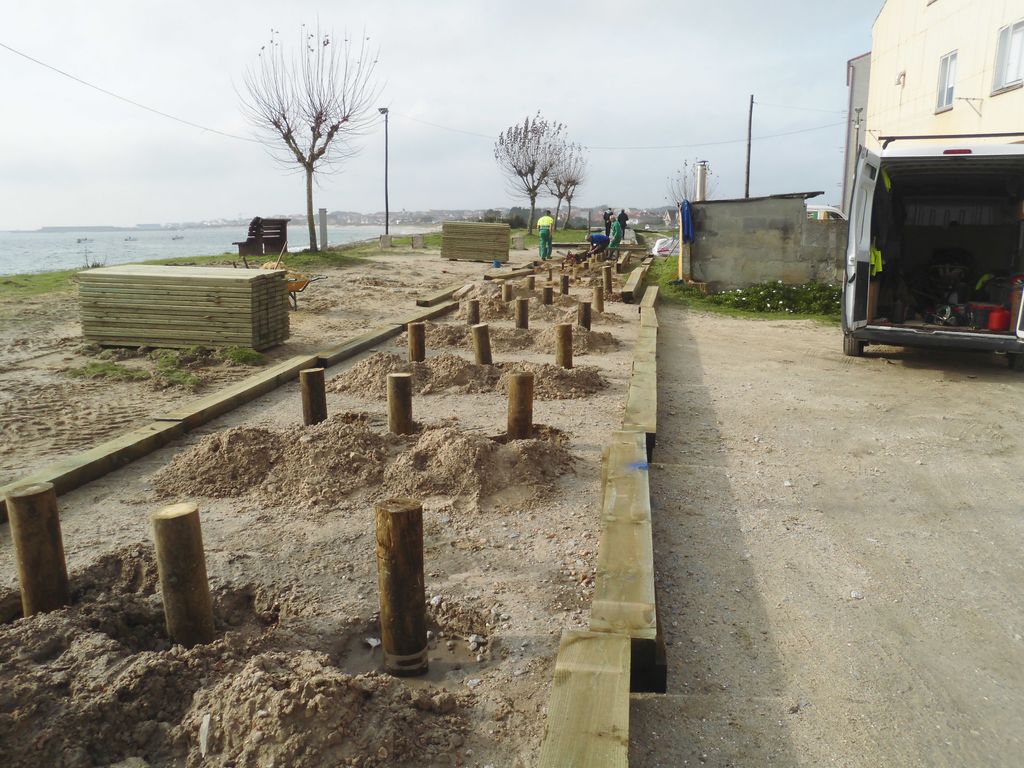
<point x="935" y="254"/>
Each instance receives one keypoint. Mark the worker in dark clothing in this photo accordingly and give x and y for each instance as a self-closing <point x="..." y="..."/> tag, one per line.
<point x="608" y="222"/>
<point x="623" y="218"/>
<point x="598" y="244"/>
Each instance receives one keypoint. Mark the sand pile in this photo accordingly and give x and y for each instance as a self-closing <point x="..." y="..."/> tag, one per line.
<point x="510" y="339"/>
<point x="441" y="335"/>
<point x="551" y="382"/>
<point x="447" y="462"/>
<point x="437" y="374"/>
<point x="321" y="463"/>
<point x="295" y="709"/>
<point x="583" y="341"/>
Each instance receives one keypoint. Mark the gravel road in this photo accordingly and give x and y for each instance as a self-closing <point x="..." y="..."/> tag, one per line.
<point x="839" y="548"/>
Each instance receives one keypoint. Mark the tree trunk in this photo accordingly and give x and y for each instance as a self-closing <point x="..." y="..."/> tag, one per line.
<point x="568" y="212"/>
<point x="558" y="209"/>
<point x="309" y="211"/>
<point x="533" y="212"/>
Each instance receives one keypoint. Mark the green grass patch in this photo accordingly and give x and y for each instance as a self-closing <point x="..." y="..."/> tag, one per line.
<point x="173" y="366"/>
<point x="241" y="356"/>
<point x="24" y="286"/>
<point x="106" y="369"/>
<point x="765" y="301"/>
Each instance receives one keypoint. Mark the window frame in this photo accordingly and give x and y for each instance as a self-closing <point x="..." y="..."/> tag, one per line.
<point x="947" y="83"/>
<point x="1004" y="43"/>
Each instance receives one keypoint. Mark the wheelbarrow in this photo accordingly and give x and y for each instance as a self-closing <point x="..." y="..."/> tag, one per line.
<point x="298" y="282"/>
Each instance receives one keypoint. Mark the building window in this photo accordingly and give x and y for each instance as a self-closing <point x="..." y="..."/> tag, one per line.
<point x="947" y="77"/>
<point x="1009" y="56"/>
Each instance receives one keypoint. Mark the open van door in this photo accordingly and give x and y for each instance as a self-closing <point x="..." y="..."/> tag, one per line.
<point x="858" y="248"/>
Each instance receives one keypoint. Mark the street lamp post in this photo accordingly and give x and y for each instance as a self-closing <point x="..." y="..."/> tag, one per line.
<point x="387" y="213"/>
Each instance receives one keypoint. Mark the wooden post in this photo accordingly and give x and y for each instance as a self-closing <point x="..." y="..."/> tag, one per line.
<point x="598" y="298"/>
<point x="548" y="294"/>
<point x="583" y="314"/>
<point x="188" y="608"/>
<point x="522" y="313"/>
<point x="506" y="291"/>
<point x="563" y="345"/>
<point x="531" y="282"/>
<point x="400" y="403"/>
<point x="314" y="396"/>
<point x="417" y="342"/>
<point x="606" y="275"/>
<point x="403" y="620"/>
<point x="520" y="406"/>
<point x="38" y="547"/>
<point x="565" y="284"/>
<point x="551" y="274"/>
<point x="473" y="312"/>
<point x="482" y="344"/>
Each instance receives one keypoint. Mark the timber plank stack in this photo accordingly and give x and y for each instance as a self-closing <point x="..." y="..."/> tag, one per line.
<point x="164" y="306"/>
<point x="466" y="241"/>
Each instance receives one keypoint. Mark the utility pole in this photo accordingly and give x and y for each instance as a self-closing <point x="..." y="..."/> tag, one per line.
<point x="387" y="214"/>
<point x="750" y="124"/>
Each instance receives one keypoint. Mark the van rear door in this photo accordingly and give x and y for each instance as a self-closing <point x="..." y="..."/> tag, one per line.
<point x="858" y="248"/>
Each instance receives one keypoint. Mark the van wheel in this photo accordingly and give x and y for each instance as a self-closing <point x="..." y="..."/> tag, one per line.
<point x="852" y="347"/>
<point x="1015" y="361"/>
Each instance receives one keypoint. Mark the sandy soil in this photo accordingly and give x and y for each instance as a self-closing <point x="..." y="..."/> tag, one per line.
<point x="838" y="545"/>
<point x="287" y="516"/>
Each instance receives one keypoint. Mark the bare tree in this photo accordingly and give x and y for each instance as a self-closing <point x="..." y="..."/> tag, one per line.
<point x="310" y="104"/>
<point x="683" y="184"/>
<point x="568" y="173"/>
<point x="527" y="153"/>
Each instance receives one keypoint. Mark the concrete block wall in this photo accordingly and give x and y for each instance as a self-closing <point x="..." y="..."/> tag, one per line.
<point x="742" y="242"/>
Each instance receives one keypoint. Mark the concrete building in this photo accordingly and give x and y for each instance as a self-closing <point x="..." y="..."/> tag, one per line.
<point x="858" y="71"/>
<point x="946" y="67"/>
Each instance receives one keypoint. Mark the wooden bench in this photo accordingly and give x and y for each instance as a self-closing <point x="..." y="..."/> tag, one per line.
<point x="588" y="712"/>
<point x="266" y="237"/>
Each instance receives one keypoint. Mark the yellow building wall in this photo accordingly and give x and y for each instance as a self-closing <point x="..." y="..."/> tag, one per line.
<point x="912" y="36"/>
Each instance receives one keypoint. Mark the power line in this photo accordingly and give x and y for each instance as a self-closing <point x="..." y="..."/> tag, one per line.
<point x="126" y="99"/>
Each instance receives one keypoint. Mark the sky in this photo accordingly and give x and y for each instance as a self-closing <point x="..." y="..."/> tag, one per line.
<point x="645" y="86"/>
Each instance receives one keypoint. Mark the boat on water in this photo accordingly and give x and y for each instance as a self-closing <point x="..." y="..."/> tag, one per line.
<point x="85" y="240"/>
<point x="130" y="239"/>
<point x="177" y="237"/>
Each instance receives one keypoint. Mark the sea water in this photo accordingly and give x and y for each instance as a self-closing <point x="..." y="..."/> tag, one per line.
<point x="46" y="251"/>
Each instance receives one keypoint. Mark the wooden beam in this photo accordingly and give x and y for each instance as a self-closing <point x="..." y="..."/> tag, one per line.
<point x="352" y="347"/>
<point x="436" y="298"/>
<point x="505" y="275"/>
<point x="588" y="711"/>
<point x="419" y="317"/>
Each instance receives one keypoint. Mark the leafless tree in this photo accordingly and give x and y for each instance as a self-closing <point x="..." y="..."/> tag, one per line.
<point x="527" y="153"/>
<point x="683" y="184"/>
<point x="309" y="104"/>
<point x="568" y="173"/>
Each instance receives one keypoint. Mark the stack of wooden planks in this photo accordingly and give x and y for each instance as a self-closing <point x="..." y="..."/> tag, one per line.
<point x="162" y="306"/>
<point x="474" y="242"/>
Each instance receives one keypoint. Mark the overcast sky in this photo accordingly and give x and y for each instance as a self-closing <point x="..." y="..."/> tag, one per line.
<point x="654" y="75"/>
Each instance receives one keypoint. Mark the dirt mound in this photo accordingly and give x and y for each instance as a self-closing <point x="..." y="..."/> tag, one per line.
<point x="321" y="463"/>
<point x="511" y="339"/>
<point x="550" y="382"/>
<point x="436" y="374"/>
<point x="583" y="341"/>
<point x="297" y="709"/>
<point x="447" y="462"/>
<point x="441" y="335"/>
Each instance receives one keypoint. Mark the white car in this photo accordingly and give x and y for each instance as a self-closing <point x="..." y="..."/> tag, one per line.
<point x="825" y="213"/>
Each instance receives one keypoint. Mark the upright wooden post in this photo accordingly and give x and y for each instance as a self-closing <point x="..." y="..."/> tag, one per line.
<point x="522" y="313"/>
<point x="550" y="274"/>
<point x="38" y="547"/>
<point x="417" y="342"/>
<point x="531" y="282"/>
<point x="314" y="396"/>
<point x="563" y="345"/>
<point x="583" y="314"/>
<point x="548" y="294"/>
<point x="598" y="298"/>
<point x="606" y="278"/>
<point x="482" y="344"/>
<point x="400" y="403"/>
<point x="473" y="312"/>
<point x="506" y="291"/>
<point x="520" y="406"/>
<point x="565" y="284"/>
<point x="188" y="608"/>
<point x="403" y="620"/>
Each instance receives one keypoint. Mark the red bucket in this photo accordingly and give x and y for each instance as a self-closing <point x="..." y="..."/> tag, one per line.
<point x="999" y="319"/>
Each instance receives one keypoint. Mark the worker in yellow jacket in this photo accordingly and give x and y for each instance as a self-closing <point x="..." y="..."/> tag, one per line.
<point x="545" y="224"/>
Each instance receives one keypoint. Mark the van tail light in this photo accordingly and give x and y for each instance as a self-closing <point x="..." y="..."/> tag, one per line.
<point x="956" y="152"/>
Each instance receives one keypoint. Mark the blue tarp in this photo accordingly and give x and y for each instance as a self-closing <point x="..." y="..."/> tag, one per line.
<point x="686" y="216"/>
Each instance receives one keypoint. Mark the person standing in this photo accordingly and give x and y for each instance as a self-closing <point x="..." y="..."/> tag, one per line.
<point x="616" y="238"/>
<point x="544" y="226"/>
<point x="608" y="222"/>
<point x="623" y="219"/>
